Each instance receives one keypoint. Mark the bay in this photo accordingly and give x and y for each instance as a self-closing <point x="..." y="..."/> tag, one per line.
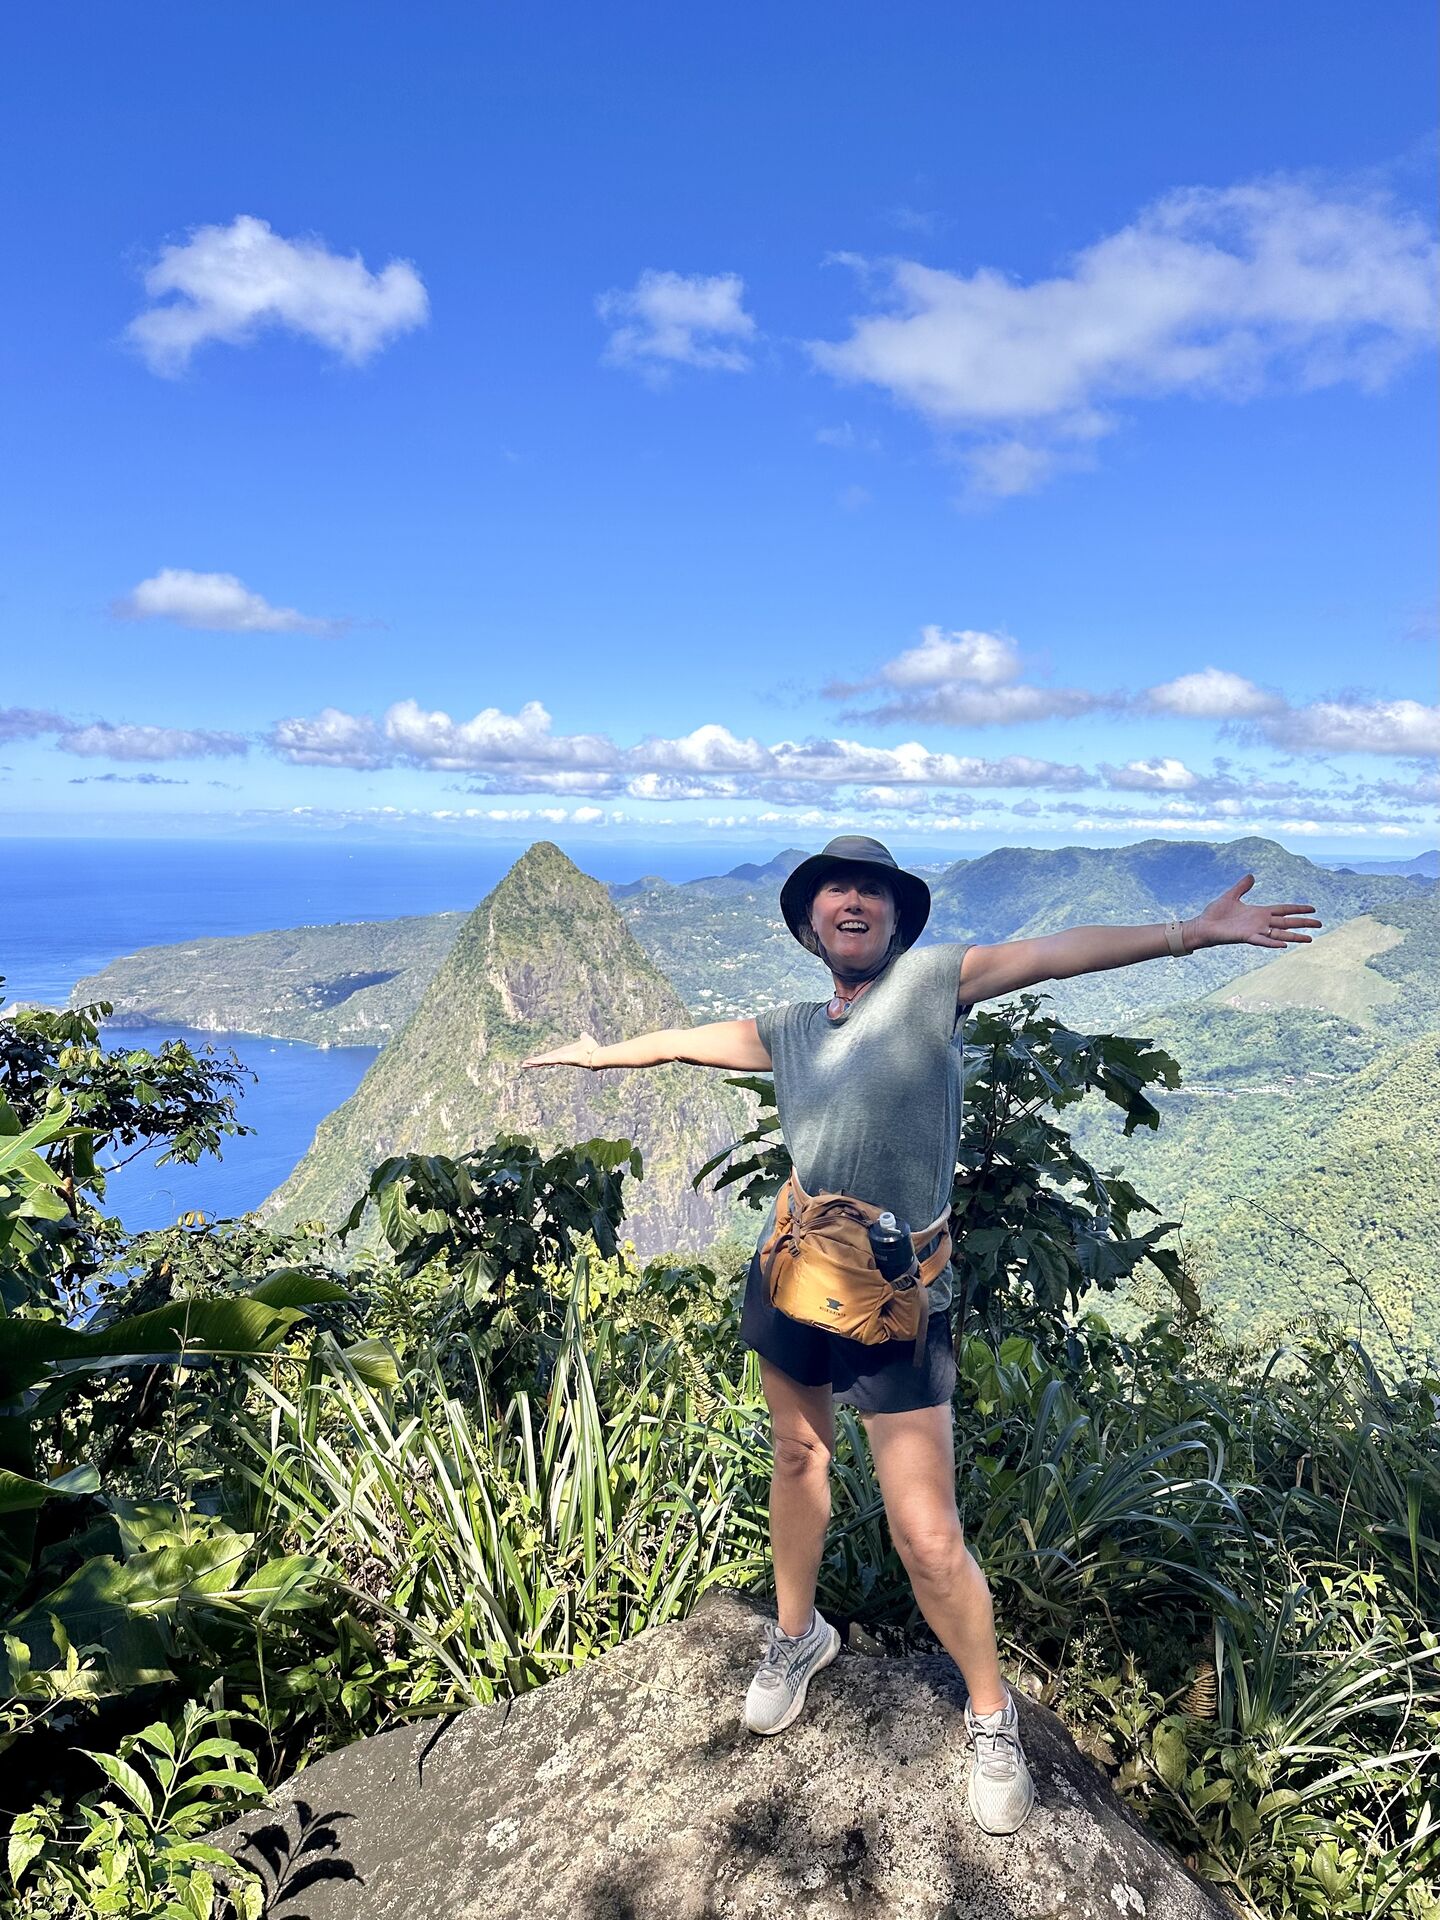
<point x="294" y="1088"/>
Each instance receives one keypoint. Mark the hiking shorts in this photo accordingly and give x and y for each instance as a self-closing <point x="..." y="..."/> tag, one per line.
<point x="873" y="1379"/>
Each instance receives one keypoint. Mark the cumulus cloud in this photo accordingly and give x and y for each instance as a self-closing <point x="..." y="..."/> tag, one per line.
<point x="213" y="603"/>
<point x="985" y="658"/>
<point x="492" y="738"/>
<point x="964" y="678"/>
<point x="332" y="739"/>
<point x="1211" y="694"/>
<point x="1236" y="291"/>
<point x="674" y="319"/>
<point x="28" y="723"/>
<point x="231" y="283"/>
<point x="105" y="740"/>
<point x="1158" y="775"/>
<point x="1343" y="726"/>
<point x="708" y="749"/>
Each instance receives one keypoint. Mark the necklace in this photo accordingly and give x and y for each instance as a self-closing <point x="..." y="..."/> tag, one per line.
<point x="841" y="1003"/>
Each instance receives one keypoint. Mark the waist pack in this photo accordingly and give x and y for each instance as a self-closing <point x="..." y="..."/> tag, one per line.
<point x="818" y="1268"/>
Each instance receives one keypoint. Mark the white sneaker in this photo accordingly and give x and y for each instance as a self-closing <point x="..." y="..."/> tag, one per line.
<point x="1001" y="1790"/>
<point x="777" y="1693"/>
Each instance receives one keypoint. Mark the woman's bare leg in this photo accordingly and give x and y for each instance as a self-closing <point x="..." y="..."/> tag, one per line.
<point x="802" y="1422"/>
<point x="914" y="1456"/>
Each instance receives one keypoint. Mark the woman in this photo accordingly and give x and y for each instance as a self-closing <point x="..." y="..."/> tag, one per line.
<point x="868" y="1092"/>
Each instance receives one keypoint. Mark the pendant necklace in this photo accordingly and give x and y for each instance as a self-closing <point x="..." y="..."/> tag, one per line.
<point x="840" y="1003"/>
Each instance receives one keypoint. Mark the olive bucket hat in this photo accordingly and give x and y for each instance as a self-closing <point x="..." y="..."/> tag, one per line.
<point x="912" y="896"/>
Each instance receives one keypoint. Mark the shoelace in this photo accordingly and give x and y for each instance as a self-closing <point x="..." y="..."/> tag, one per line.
<point x="997" y="1747"/>
<point x="777" y="1652"/>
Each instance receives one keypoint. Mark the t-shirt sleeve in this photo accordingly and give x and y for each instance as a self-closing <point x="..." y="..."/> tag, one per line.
<point x="943" y="981"/>
<point x="767" y="1025"/>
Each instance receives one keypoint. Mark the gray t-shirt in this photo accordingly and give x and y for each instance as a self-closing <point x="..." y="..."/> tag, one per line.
<point x="871" y="1104"/>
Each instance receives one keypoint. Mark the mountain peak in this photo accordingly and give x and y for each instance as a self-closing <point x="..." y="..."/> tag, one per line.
<point x="542" y="959"/>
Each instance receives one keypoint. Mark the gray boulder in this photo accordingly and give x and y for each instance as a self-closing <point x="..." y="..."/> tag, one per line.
<point x="629" y="1789"/>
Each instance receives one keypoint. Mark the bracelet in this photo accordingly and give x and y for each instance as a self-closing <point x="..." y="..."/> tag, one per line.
<point x="1175" y="938"/>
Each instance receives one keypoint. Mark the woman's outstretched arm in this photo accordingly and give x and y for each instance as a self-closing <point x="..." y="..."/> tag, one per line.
<point x="1227" y="921"/>
<point x="722" y="1043"/>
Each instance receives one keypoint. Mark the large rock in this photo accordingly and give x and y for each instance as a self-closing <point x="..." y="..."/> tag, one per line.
<point x="629" y="1789"/>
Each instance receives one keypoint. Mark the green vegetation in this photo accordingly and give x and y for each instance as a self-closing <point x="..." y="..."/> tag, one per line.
<point x="256" y="1507"/>
<point x="1316" y="1192"/>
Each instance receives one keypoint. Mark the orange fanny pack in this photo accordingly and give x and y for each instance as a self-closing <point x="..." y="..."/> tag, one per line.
<point x="818" y="1268"/>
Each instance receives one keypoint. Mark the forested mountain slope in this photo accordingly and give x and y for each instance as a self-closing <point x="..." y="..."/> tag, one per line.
<point x="542" y="959"/>
<point x="1279" y="1189"/>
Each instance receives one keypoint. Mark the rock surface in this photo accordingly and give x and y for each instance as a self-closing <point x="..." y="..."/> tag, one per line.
<point x="630" y="1790"/>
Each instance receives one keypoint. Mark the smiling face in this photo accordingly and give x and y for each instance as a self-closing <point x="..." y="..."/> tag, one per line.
<point x="853" y="914"/>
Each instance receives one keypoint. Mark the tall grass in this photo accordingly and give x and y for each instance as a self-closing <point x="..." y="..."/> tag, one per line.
<point x="511" y="1541"/>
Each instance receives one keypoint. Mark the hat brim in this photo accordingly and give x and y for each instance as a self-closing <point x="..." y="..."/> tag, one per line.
<point x="912" y="896"/>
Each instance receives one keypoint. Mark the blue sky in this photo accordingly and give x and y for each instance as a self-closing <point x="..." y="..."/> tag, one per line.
<point x="971" y="425"/>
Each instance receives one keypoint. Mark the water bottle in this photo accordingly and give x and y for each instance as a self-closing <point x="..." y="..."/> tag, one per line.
<point x="892" y="1252"/>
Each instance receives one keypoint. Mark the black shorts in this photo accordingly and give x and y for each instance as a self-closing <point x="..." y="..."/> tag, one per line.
<point x="873" y="1379"/>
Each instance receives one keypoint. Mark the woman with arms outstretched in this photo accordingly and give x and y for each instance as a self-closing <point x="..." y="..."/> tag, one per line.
<point x="868" y="1089"/>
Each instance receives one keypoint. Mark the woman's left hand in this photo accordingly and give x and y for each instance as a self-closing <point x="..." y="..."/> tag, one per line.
<point x="1231" y="921"/>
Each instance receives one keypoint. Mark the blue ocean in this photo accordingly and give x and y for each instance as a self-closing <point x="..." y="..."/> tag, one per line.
<point x="67" y="907"/>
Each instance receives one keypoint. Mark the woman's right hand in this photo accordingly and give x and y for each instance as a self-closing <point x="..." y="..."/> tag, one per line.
<point x="578" y="1053"/>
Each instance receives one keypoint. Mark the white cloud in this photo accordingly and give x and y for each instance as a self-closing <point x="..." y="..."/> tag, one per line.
<point x="530" y="781"/>
<point x="519" y="752"/>
<point x="673" y="786"/>
<point x="676" y="319"/>
<point x="988" y="659"/>
<point x="27" y="723"/>
<point x="968" y="706"/>
<point x="491" y="739"/>
<point x="965" y="679"/>
<point x="149" y="743"/>
<point x="708" y="749"/>
<point x="1157" y="775"/>
<point x="843" y="762"/>
<point x="232" y="282"/>
<point x="332" y="739"/>
<point x="1211" y="694"/>
<point x="213" y="603"/>
<point x="1232" y="292"/>
<point x="1340" y="726"/>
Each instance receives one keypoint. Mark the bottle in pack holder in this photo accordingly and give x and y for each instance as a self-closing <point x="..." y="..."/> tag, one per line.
<point x="892" y="1251"/>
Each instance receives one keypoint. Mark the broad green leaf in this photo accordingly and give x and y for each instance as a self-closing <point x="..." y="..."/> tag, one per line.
<point x="123" y="1776"/>
<point x="18" y="1492"/>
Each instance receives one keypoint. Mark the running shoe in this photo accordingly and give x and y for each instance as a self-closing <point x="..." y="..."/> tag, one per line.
<point x="777" y="1693"/>
<point x="1001" y="1790"/>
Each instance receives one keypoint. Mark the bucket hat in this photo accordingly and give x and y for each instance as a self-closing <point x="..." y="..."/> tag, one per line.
<point x="912" y="896"/>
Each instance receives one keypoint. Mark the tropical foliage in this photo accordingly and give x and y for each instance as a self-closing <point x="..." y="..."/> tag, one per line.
<point x="264" y="1495"/>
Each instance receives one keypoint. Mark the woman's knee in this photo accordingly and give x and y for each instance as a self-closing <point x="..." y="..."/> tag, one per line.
<point x="932" y="1546"/>
<point x="800" y="1456"/>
